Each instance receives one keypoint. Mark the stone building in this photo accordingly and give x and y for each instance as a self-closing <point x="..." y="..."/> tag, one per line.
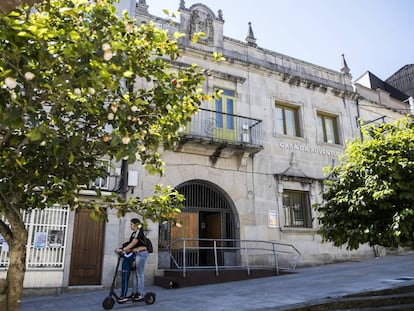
<point x="250" y="164"/>
<point x="261" y="148"/>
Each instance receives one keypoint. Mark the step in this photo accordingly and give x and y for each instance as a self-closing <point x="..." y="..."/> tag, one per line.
<point x="384" y="302"/>
<point x="377" y="301"/>
<point x="400" y="307"/>
<point x="195" y="277"/>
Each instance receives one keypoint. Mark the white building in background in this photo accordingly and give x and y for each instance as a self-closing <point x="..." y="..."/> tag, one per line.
<point x="250" y="164"/>
<point x="381" y="96"/>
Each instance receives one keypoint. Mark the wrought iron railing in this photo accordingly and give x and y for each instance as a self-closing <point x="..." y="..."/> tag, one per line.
<point x="224" y="127"/>
<point x="218" y="254"/>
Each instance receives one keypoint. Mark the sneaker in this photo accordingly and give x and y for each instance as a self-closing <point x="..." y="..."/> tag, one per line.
<point x="137" y="296"/>
<point x="122" y="299"/>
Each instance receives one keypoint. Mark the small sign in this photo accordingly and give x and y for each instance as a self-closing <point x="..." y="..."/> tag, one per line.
<point x="272" y="219"/>
<point x="55" y="238"/>
<point x="40" y="239"/>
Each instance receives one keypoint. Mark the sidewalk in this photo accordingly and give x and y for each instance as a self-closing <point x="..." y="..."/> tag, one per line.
<point x="308" y="284"/>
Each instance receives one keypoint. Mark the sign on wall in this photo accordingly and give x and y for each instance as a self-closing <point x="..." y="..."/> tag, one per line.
<point x="272" y="219"/>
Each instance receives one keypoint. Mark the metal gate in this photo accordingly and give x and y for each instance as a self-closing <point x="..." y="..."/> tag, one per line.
<point x="208" y="214"/>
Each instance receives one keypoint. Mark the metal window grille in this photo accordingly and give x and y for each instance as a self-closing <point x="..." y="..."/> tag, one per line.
<point x="296" y="209"/>
<point x="47" y="234"/>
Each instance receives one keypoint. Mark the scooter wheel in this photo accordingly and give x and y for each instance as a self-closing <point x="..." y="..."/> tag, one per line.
<point x="108" y="303"/>
<point x="149" y="298"/>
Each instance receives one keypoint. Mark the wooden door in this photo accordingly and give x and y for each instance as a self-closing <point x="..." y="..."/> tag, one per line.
<point x="188" y="229"/>
<point x="87" y="250"/>
<point x="213" y="230"/>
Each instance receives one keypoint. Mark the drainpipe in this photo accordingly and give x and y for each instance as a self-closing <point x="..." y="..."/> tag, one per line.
<point x="358" y="116"/>
<point x="411" y="103"/>
<point x="123" y="182"/>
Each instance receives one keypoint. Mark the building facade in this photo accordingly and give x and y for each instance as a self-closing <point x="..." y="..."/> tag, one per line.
<point x="376" y="98"/>
<point x="250" y="164"/>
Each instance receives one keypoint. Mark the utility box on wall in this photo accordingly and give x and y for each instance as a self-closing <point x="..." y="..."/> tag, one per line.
<point x="132" y="178"/>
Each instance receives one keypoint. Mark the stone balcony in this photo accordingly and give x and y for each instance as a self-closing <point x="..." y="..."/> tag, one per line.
<point x="221" y="134"/>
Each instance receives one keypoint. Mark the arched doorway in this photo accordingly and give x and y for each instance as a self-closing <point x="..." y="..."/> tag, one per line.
<point x="208" y="216"/>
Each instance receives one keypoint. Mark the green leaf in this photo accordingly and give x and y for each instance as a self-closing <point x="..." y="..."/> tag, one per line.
<point x="178" y="35"/>
<point x="35" y="134"/>
<point x="71" y="158"/>
<point x="74" y="35"/>
<point x="128" y="74"/>
<point x="24" y="34"/>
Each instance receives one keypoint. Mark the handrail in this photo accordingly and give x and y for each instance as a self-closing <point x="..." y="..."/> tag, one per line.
<point x="187" y="253"/>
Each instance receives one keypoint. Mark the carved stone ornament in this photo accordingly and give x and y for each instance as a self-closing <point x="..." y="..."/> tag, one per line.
<point x="202" y="21"/>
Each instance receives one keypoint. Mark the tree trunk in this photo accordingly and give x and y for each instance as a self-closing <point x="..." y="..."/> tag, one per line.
<point x="17" y="264"/>
<point x="15" y="273"/>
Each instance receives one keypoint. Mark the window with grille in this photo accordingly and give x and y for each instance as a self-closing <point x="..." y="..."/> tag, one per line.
<point x="287" y="120"/>
<point x="47" y="231"/>
<point x="297" y="209"/>
<point x="328" y="131"/>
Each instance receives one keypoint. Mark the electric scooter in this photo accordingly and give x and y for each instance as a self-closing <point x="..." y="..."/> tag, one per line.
<point x="109" y="301"/>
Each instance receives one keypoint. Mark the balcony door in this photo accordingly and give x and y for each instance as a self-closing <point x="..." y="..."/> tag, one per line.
<point x="225" y="119"/>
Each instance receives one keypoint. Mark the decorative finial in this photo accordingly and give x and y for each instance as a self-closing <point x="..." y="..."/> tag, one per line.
<point x="182" y="4"/>
<point x="220" y="15"/>
<point x="344" y="69"/>
<point x="251" y="40"/>
<point x="142" y="7"/>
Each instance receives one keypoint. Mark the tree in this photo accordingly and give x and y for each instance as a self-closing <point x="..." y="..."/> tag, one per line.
<point x="369" y="196"/>
<point x="69" y="97"/>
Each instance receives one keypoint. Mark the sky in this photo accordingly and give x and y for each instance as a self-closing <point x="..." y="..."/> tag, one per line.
<point x="374" y="35"/>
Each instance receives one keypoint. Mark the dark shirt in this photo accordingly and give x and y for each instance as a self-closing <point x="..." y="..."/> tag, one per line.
<point x="139" y="235"/>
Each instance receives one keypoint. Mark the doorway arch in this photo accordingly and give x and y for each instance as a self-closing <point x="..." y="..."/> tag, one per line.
<point x="208" y="214"/>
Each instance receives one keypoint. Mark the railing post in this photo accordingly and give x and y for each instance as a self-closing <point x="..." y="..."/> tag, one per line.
<point x="276" y="259"/>
<point x="247" y="259"/>
<point x="184" y="255"/>
<point x="215" y="257"/>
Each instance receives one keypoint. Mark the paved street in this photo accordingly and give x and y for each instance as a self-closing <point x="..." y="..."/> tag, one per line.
<point x="273" y="293"/>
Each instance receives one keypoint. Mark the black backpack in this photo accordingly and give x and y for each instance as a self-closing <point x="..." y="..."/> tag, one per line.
<point x="148" y="244"/>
